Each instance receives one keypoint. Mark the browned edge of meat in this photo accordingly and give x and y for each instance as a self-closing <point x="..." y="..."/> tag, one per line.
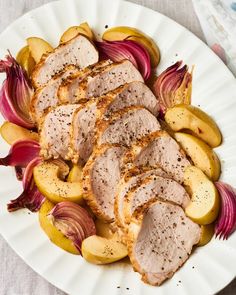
<point x="107" y="79"/>
<point x="68" y="70"/>
<point x="55" y="131"/>
<point x="176" y="160"/>
<point x="133" y="93"/>
<point x="67" y="90"/>
<point x="88" y="132"/>
<point x="106" y="105"/>
<point x="154" y="187"/>
<point x="103" y="125"/>
<point x="159" y="247"/>
<point x="131" y="177"/>
<point x="47" y="56"/>
<point x="87" y="177"/>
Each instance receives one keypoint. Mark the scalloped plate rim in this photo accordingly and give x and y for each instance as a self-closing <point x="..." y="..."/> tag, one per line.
<point x="172" y="22"/>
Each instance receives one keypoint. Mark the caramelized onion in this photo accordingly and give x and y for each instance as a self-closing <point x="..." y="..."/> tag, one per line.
<point x="73" y="221"/>
<point x="30" y="198"/>
<point x="21" y="153"/>
<point x="15" y="94"/>
<point x="173" y="86"/>
<point x="127" y="49"/>
<point x="226" y="222"/>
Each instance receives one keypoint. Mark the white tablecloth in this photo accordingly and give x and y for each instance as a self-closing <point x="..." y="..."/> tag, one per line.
<point x="16" y="278"/>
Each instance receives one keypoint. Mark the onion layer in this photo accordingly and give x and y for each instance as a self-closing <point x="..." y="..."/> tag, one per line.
<point x="30" y="198"/>
<point x="15" y="94"/>
<point x="21" y="153"/>
<point x="73" y="221"/>
<point x="127" y="49"/>
<point x="226" y="223"/>
<point x="173" y="86"/>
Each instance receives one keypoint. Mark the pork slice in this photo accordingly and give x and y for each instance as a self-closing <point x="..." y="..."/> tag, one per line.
<point x="150" y="188"/>
<point x="160" y="149"/>
<point x="109" y="78"/>
<point x="68" y="89"/>
<point x="78" y="51"/>
<point x="130" y="180"/>
<point x="101" y="175"/>
<point x="133" y="94"/>
<point x="160" y="240"/>
<point x="46" y="97"/>
<point x="126" y="126"/>
<point x="85" y="118"/>
<point x="55" y="132"/>
<point x="83" y="131"/>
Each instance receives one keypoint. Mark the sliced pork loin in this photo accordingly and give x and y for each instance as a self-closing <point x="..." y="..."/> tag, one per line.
<point x="55" y="132"/>
<point x="78" y="51"/>
<point x="46" y="97"/>
<point x="130" y="180"/>
<point x="100" y="82"/>
<point x="83" y="131"/>
<point x="135" y="93"/>
<point x="153" y="187"/>
<point x="101" y="175"/>
<point x="159" y="149"/>
<point x="126" y="126"/>
<point x="160" y="240"/>
<point x="67" y="92"/>
<point x="83" y="126"/>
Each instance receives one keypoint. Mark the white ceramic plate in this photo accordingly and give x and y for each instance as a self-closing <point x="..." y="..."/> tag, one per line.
<point x="210" y="268"/>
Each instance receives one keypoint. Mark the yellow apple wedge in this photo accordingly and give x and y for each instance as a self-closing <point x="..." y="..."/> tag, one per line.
<point x="11" y="133"/>
<point x="207" y="232"/>
<point x="200" y="153"/>
<point x="38" y="47"/>
<point x="99" y="250"/>
<point x="75" y="174"/>
<point x="70" y="33"/>
<point x="129" y="33"/>
<point x="105" y="230"/>
<point x="204" y="205"/>
<point x="194" y="120"/>
<point x="25" y="59"/>
<point x="46" y="177"/>
<point x="88" y="30"/>
<point x="52" y="232"/>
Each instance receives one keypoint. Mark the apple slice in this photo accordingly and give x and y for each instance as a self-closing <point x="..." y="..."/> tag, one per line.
<point x="99" y="250"/>
<point x="197" y="122"/>
<point x="83" y="29"/>
<point x="204" y="205"/>
<point x="200" y="153"/>
<point x="46" y="177"/>
<point x="105" y="230"/>
<point x="207" y="232"/>
<point x="38" y="47"/>
<point x="75" y="174"/>
<point x="11" y="133"/>
<point x="25" y="59"/>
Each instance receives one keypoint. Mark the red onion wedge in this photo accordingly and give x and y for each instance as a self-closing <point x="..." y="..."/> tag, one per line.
<point x="19" y="172"/>
<point x="21" y="153"/>
<point x="73" y="221"/>
<point x="174" y="86"/>
<point x="30" y="198"/>
<point x="226" y="222"/>
<point x="127" y="49"/>
<point x="115" y="51"/>
<point x="15" y="93"/>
